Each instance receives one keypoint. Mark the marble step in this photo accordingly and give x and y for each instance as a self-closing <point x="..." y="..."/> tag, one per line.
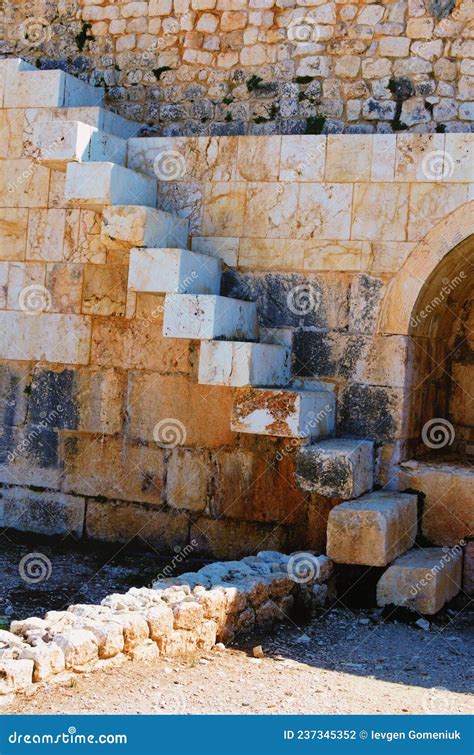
<point x="336" y="468"/>
<point x="422" y="580"/>
<point x="284" y="413"/>
<point x="95" y="185"/>
<point x="137" y="225"/>
<point x="372" y="530"/>
<point x="208" y="317"/>
<point x="28" y="87"/>
<point x="169" y="270"/>
<point x="241" y="363"/>
<point x="59" y="143"/>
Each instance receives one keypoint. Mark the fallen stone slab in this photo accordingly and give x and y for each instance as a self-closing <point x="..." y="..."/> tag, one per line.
<point x="422" y="580"/>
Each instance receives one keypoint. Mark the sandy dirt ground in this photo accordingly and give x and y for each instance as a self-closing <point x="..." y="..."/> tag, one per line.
<point x="342" y="662"/>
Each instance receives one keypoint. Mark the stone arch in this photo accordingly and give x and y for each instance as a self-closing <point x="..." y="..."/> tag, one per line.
<point x="408" y="284"/>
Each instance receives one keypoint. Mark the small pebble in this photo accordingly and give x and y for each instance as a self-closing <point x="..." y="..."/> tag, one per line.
<point x="257" y="652"/>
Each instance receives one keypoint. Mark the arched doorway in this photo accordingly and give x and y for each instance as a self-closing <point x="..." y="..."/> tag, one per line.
<point x="431" y="302"/>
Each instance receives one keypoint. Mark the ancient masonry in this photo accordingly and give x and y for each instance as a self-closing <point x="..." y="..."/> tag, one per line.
<point x="230" y="343"/>
<point x="211" y="67"/>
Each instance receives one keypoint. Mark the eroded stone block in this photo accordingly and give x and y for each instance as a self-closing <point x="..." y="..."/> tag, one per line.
<point x="372" y="530"/>
<point x="336" y="468"/>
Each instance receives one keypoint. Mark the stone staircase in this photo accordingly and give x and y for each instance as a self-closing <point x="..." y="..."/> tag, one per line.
<point x="368" y="528"/>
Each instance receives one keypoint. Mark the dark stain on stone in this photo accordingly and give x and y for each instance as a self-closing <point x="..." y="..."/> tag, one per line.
<point x="441" y="8"/>
<point x="367" y="411"/>
<point x="313" y="356"/>
<point x="42" y="445"/>
<point x="365" y="297"/>
<point x="52" y="400"/>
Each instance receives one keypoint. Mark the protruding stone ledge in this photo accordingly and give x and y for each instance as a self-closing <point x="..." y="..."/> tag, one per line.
<point x="175" y="618"/>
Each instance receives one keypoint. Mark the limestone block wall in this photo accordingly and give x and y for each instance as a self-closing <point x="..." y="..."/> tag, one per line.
<point x="261" y="66"/>
<point x="86" y="376"/>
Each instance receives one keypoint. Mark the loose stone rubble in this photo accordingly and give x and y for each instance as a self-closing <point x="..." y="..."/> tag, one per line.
<point x="176" y="617"/>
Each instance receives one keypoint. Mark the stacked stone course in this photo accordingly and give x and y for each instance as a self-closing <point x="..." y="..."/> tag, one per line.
<point x="175" y="618"/>
<point x="199" y="67"/>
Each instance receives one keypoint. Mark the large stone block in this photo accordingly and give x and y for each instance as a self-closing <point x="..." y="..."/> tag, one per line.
<point x="105" y="289"/>
<point x="15" y="675"/>
<point x="137" y="344"/>
<point x="423" y="580"/>
<point x="284" y="413"/>
<point x="23" y="184"/>
<point x="30" y="455"/>
<point x="336" y="468"/>
<point x="138" y="225"/>
<point x="372" y="411"/>
<point x="109" y="467"/>
<point x="44" y="513"/>
<point x="167" y="270"/>
<point x="448" y="490"/>
<point x="200" y="416"/>
<point x="59" y="338"/>
<point x="123" y="522"/>
<point x="240" y="364"/>
<point x="59" y="143"/>
<point x="187" y="479"/>
<point x="372" y="530"/>
<point x="53" y="88"/>
<point x="13" y="230"/>
<point x="224" y="538"/>
<point x="93" y="185"/>
<point x="209" y="317"/>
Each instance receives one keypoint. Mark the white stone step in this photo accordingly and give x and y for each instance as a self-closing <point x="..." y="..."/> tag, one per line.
<point x="173" y="270"/>
<point x="61" y="142"/>
<point x="422" y="580"/>
<point x="136" y="225"/>
<point x="284" y="413"/>
<point x="373" y="530"/>
<point x="336" y="468"/>
<point x="208" y="317"/>
<point x="28" y="87"/>
<point x="93" y="185"/>
<point x="242" y="363"/>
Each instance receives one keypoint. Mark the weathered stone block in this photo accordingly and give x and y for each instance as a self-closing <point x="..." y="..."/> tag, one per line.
<point x="93" y="185"/>
<point x="119" y="523"/>
<point x="160" y="621"/>
<point x="188" y="615"/>
<point x="59" y="143"/>
<point x="79" y="647"/>
<point x="371" y="411"/>
<point x="13" y="229"/>
<point x="423" y="579"/>
<point x="209" y="317"/>
<point x="138" y="225"/>
<point x="168" y="270"/>
<point x="372" y="530"/>
<point x="105" y="289"/>
<point x="48" y="660"/>
<point x="448" y="513"/>
<point x="135" y="629"/>
<point x="225" y="538"/>
<point x="287" y="414"/>
<point x="29" y="454"/>
<point x="44" y="513"/>
<point x="64" y="339"/>
<point x="336" y="468"/>
<point x="239" y="364"/>
<point x="187" y="479"/>
<point x="15" y="675"/>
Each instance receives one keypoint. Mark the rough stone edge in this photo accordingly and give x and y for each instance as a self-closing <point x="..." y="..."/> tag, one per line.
<point x="174" y="618"/>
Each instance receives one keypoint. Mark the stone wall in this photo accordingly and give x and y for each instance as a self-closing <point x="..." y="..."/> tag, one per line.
<point x="261" y="66"/>
<point x="87" y="376"/>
